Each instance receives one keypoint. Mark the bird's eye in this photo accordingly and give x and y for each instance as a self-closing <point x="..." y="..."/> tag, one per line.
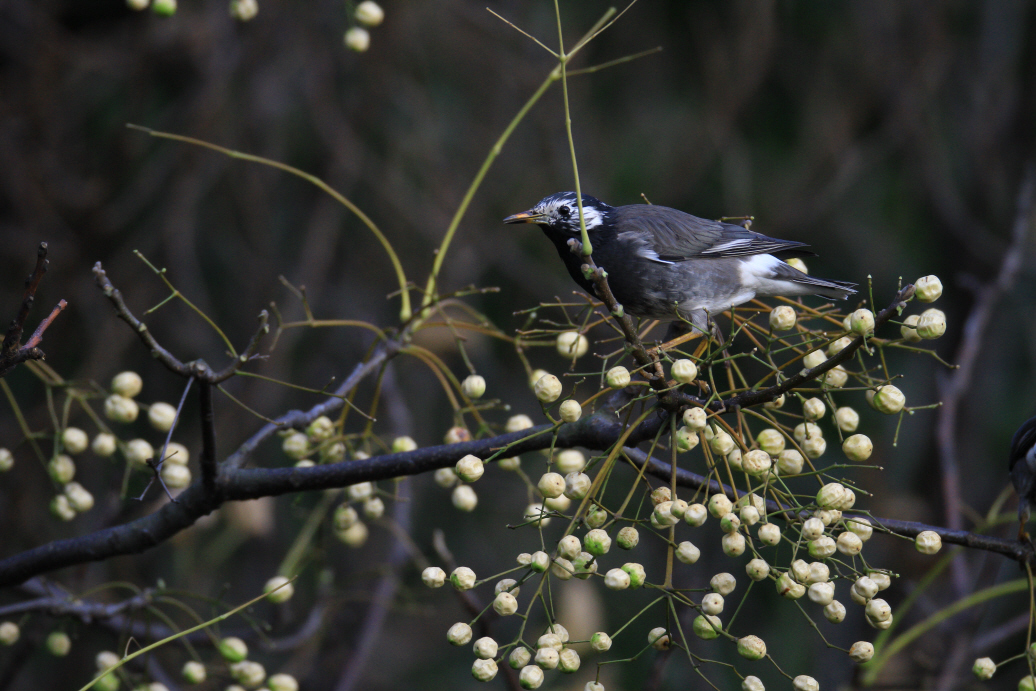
<point x="564" y="211"/>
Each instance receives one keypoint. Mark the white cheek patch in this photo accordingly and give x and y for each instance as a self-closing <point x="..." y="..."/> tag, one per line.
<point x="591" y="216"/>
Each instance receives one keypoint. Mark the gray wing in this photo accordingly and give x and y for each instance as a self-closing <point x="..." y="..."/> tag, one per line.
<point x="675" y="236"/>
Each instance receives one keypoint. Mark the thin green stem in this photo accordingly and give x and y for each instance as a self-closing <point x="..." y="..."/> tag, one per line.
<point x="405" y="310"/>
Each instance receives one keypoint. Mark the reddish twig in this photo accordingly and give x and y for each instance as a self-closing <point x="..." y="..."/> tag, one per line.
<point x="12" y="352"/>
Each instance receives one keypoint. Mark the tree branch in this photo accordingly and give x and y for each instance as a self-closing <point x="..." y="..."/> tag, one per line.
<point x="12" y="352"/>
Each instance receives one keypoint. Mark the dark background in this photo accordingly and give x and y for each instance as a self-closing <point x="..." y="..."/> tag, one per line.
<point x="890" y="136"/>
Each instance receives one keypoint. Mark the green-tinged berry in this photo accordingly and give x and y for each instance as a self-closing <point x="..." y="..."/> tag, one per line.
<point x="469" y="468"/>
<point x="233" y="649"/>
<point x="627" y="538"/>
<point x="244" y="11"/>
<point x="295" y="446"/>
<point x="984" y="668"/>
<point x="546" y="658"/>
<point x="486" y="648"/>
<point x="61" y="468"/>
<point x="788" y="587"/>
<point x="617" y="377"/>
<point x="719" y="505"/>
<point x="931" y="324"/>
<point x="861" y="322"/>
<point x="757" y="569"/>
<point x="459" y="634"/>
<point x="519" y="657"/>
<point x="484" y="670"/>
<point x="58" y="643"/>
<point x="597" y="542"/>
<point x="636" y="573"/>
<point x="888" y="399"/>
<point x="164" y="8"/>
<point x="193" y="672"/>
<point x="595" y="517"/>
<point x="751" y="647"/>
<point x="684" y="371"/>
<point x="706" y="626"/>
<point x="282" y="682"/>
<point x="357" y="39"/>
<point x="696" y="514"/>
<point x="531" y="677"/>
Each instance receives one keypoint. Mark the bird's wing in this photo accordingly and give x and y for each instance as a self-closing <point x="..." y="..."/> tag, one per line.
<point x="677" y="236"/>
<point x="1023" y="442"/>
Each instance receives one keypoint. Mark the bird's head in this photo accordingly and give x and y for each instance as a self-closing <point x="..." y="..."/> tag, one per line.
<point x="559" y="213"/>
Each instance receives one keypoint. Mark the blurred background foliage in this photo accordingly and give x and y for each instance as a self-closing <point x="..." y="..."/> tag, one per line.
<point x="890" y="136"/>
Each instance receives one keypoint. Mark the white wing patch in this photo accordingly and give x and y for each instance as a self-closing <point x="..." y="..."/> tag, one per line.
<point x="729" y="245"/>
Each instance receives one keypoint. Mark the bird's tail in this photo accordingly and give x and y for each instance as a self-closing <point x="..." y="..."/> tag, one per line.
<point x="835" y="290"/>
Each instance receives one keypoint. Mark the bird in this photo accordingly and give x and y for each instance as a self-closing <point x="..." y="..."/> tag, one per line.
<point x="1022" y="465"/>
<point x="666" y="264"/>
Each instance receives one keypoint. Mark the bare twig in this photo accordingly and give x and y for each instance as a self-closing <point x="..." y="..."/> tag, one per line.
<point x="12" y="352"/>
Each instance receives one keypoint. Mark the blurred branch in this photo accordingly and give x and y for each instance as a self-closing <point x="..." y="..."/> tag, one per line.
<point x="12" y="352"/>
<point x="953" y="387"/>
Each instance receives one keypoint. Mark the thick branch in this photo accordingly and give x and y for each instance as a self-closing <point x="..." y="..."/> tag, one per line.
<point x="598" y="431"/>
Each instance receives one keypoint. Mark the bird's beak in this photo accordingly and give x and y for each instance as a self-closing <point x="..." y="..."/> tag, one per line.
<point x="525" y="217"/>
